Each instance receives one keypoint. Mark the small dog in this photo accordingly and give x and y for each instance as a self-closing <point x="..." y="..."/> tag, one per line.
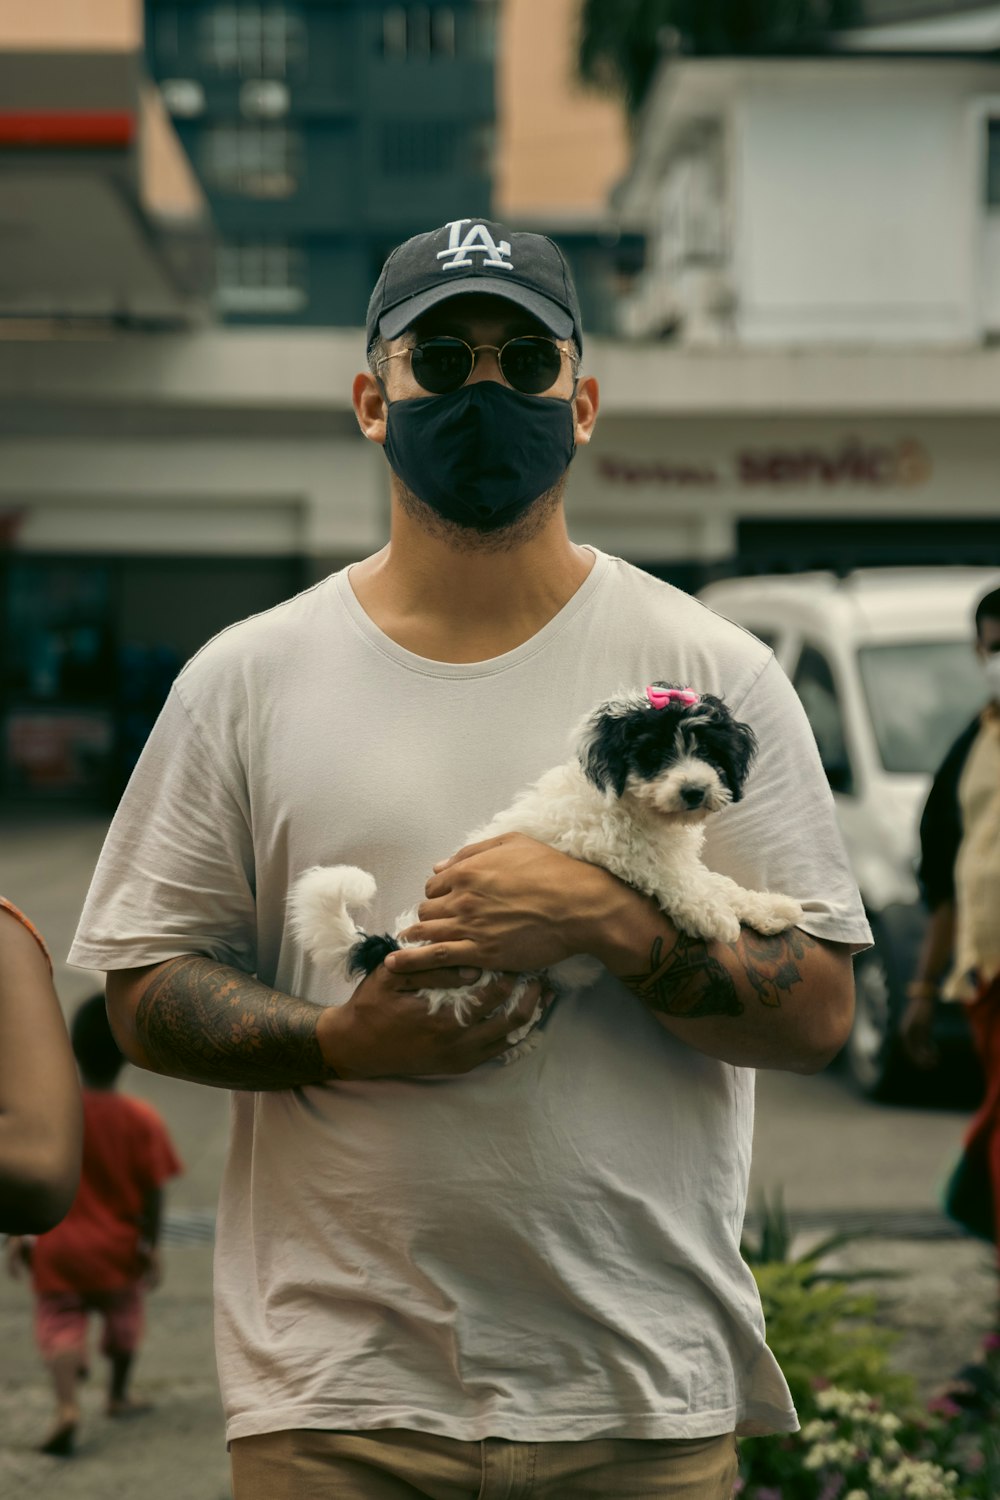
<point x="649" y="769"/>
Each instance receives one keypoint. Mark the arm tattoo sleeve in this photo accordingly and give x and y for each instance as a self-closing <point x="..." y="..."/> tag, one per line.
<point x="209" y="1023"/>
<point x="689" y="981"/>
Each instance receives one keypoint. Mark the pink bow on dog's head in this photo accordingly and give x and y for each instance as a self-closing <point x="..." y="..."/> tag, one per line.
<point x="660" y="697"/>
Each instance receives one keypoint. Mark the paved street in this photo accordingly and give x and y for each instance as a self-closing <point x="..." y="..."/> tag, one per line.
<point x="838" y="1161"/>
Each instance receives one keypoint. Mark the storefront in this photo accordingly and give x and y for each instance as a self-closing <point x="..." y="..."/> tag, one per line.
<point x="695" y="498"/>
<point x="171" y="486"/>
<point x="90" y="649"/>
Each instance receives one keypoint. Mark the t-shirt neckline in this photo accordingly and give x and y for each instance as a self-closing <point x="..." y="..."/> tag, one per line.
<point x="427" y="667"/>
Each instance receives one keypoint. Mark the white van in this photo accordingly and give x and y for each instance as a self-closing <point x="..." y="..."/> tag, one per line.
<point x="883" y="662"/>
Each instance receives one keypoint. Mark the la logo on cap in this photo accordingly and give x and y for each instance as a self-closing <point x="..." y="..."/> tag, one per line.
<point x="477" y="239"/>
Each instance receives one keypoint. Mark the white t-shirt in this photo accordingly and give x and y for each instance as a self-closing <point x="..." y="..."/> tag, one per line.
<point x="540" y="1251"/>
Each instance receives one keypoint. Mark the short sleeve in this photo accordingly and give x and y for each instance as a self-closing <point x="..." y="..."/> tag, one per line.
<point x="176" y="874"/>
<point x="783" y="835"/>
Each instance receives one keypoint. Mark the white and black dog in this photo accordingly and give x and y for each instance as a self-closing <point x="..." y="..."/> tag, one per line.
<point x="648" y="770"/>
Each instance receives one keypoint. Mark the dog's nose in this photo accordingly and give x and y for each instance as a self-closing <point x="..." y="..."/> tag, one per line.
<point x="693" y="796"/>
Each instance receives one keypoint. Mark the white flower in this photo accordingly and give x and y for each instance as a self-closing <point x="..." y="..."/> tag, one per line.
<point x="844" y="1403"/>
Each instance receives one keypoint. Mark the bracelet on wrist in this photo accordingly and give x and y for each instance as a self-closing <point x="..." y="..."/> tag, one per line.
<point x="922" y="989"/>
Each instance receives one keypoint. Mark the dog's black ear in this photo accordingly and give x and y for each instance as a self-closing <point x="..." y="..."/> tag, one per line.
<point x="604" y="751"/>
<point x="733" y="746"/>
<point x="743" y="752"/>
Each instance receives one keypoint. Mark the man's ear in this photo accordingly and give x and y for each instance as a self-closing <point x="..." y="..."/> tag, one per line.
<point x="369" y="406"/>
<point x="585" y="405"/>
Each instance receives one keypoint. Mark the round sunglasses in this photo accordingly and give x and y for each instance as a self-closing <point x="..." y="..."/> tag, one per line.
<point x="443" y="364"/>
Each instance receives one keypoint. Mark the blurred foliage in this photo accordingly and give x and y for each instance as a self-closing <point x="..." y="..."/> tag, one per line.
<point x="822" y="1327"/>
<point x="828" y="1341"/>
<point x="622" y="41"/>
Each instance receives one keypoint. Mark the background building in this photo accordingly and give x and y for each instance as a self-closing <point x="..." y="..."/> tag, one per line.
<point x="824" y="267"/>
<point x="802" y="374"/>
<point x="324" y="132"/>
<point x="561" y="149"/>
<point x="102" y="217"/>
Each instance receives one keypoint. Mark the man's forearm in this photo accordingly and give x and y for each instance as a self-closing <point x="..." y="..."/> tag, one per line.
<point x="209" y="1023"/>
<point x="762" y="1002"/>
<point x="937" y="945"/>
<point x="151" y="1217"/>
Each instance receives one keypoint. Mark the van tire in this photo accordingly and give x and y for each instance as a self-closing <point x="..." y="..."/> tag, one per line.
<point x="873" y="1055"/>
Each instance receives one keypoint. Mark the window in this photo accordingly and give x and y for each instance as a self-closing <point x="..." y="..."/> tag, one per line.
<point x="917" y="693"/>
<point x="261" y="277"/>
<point x="256" y="161"/>
<point x="814" y="683"/>
<point x="419" y="31"/>
<point x="443" y="31"/>
<point x="255" y="41"/>
<point x="394" y="31"/>
<point x="411" y="147"/>
<point x="166" y="35"/>
<point x="991" y="187"/>
<point x="482" y="30"/>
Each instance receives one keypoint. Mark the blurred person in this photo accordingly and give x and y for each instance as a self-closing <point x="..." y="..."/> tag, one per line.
<point x="104" y="1255"/>
<point x="436" y="1273"/>
<point x="960" y="956"/>
<point x="40" y="1109"/>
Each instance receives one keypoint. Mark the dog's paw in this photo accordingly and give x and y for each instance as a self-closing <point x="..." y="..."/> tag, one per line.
<point x="769" y="914"/>
<point x="711" y="921"/>
<point x="521" y="1044"/>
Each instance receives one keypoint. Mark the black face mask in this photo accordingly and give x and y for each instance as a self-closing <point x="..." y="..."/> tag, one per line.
<point x="482" y="454"/>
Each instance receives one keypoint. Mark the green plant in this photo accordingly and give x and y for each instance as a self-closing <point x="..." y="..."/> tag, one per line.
<point x="823" y="1328"/>
<point x="864" y="1436"/>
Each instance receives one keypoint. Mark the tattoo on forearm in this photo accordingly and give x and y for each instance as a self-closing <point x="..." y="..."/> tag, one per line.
<point x="689" y="981"/>
<point x="773" y="963"/>
<point x="204" y="1021"/>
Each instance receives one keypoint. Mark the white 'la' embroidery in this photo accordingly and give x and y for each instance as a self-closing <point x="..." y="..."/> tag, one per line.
<point x="479" y="239"/>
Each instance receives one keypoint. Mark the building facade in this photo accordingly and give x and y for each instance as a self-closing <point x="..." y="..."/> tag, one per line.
<point x="824" y="261"/>
<point x="323" y="133"/>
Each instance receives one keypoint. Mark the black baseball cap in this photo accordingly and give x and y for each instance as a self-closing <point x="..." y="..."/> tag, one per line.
<point x="475" y="255"/>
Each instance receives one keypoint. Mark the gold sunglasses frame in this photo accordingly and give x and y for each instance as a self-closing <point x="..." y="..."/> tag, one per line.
<point x="497" y="349"/>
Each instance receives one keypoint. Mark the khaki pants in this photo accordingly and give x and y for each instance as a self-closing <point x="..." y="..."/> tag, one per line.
<point x="395" y="1464"/>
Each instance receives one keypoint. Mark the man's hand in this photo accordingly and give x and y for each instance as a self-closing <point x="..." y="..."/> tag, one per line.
<point x="915" y="1030"/>
<point x="150" y="1266"/>
<point x="386" y="1031"/>
<point x="510" y="903"/>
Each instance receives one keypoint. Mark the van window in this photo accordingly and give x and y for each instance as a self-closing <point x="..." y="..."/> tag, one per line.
<point x="814" y="683"/>
<point x="919" y="694"/>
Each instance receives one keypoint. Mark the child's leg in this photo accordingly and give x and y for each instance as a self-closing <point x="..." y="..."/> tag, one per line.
<point x="124" y="1319"/>
<point x="61" y="1333"/>
<point x="121" y="1368"/>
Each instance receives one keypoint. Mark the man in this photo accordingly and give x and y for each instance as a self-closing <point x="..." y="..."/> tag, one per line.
<point x="437" y="1275"/>
<point x="960" y="878"/>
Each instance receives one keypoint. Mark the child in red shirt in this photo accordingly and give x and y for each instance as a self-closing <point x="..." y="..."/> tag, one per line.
<point x="103" y="1256"/>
